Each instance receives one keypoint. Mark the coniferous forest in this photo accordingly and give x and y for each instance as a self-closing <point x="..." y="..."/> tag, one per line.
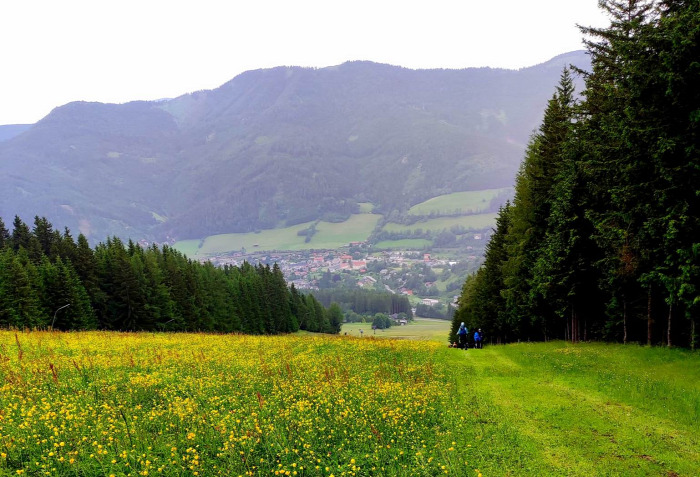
<point x="50" y="280"/>
<point x="602" y="239"/>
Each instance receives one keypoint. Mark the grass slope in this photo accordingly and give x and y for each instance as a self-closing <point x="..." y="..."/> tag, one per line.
<point x="591" y="409"/>
<point x="469" y="202"/>
<point x="473" y="222"/>
<point x="404" y="244"/>
<point x="101" y="403"/>
<point x="333" y="235"/>
<point x="329" y="235"/>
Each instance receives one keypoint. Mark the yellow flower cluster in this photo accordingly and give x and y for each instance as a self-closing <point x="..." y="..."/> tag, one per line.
<point x="99" y="403"/>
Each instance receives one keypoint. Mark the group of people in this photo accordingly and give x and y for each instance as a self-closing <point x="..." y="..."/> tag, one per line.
<point x="463" y="338"/>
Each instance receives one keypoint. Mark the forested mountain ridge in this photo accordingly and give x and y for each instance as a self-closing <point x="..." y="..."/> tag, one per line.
<point x="275" y="147"/>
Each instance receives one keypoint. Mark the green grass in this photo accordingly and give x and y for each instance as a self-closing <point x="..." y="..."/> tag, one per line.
<point x="404" y="244"/>
<point x="329" y="235"/>
<point x="188" y="247"/>
<point x="333" y="235"/>
<point x="442" y="285"/>
<point x="101" y="403"/>
<point x="590" y="409"/>
<point x="470" y="202"/>
<point x="472" y="222"/>
<point x="366" y="207"/>
<point x="275" y="239"/>
<point x="420" y="329"/>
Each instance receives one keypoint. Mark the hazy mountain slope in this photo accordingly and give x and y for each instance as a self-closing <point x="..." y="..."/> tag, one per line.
<point x="9" y="131"/>
<point x="275" y="147"/>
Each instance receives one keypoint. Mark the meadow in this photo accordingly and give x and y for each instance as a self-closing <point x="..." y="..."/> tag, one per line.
<point x="403" y="244"/>
<point x="587" y="409"/>
<point x="470" y="222"/>
<point x="468" y="202"/>
<point x="116" y="404"/>
<point x="98" y="403"/>
<point x="419" y="329"/>
<point x="329" y="235"/>
<point x="358" y="228"/>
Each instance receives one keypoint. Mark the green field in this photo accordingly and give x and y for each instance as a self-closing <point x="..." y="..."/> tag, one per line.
<point x="589" y="409"/>
<point x="366" y="207"/>
<point x="119" y="404"/>
<point x="470" y="202"/>
<point x="328" y="236"/>
<point x="108" y="403"/>
<point x="188" y="247"/>
<point x="471" y="222"/>
<point x="404" y="244"/>
<point x="333" y="235"/>
<point x="420" y="328"/>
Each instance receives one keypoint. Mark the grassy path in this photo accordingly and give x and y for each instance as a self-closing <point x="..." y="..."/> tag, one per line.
<point x="593" y="409"/>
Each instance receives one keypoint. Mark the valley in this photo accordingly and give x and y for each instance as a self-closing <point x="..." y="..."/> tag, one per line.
<point x="367" y="251"/>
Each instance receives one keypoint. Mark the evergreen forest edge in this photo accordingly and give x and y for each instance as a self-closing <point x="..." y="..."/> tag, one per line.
<point x="601" y="239"/>
<point x="130" y="288"/>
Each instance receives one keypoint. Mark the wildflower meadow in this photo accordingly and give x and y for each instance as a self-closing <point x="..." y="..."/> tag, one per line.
<point x="120" y="404"/>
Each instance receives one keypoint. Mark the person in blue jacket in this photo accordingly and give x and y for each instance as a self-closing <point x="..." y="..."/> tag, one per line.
<point x="477" y="339"/>
<point x="462" y="333"/>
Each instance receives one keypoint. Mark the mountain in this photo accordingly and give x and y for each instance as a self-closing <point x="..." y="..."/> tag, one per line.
<point x="275" y="147"/>
<point x="9" y="131"/>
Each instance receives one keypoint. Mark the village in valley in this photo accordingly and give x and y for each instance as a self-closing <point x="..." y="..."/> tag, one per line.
<point x="430" y="278"/>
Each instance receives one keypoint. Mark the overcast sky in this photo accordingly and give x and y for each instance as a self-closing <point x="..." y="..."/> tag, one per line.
<point x="54" y="52"/>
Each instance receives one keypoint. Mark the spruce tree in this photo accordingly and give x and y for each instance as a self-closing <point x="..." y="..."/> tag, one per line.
<point x="20" y="288"/>
<point x="21" y="235"/>
<point x="5" y="237"/>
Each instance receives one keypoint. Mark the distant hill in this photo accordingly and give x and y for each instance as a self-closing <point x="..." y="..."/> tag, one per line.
<point x="274" y="148"/>
<point x="9" y="131"/>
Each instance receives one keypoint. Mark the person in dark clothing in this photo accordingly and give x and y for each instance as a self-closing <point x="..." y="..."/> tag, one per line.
<point x="462" y="333"/>
<point x="478" y="336"/>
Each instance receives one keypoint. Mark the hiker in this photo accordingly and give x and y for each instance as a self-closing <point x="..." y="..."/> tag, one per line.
<point x="462" y="333"/>
<point x="477" y="339"/>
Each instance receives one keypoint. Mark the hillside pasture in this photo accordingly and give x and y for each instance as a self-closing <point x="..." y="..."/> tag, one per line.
<point x="273" y="239"/>
<point x="469" y="222"/>
<point x="188" y="247"/>
<point x="366" y="207"/>
<point x="329" y="235"/>
<point x="465" y="203"/>
<point x="404" y="244"/>
<point x="334" y="235"/>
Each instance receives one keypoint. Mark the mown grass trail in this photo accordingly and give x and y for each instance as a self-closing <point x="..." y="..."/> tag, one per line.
<point x="590" y="409"/>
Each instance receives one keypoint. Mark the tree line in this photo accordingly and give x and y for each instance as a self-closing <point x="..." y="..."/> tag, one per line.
<point x="601" y="239"/>
<point x="365" y="302"/>
<point x="50" y="280"/>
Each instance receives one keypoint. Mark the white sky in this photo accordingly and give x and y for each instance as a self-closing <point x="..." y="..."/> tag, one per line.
<point x="53" y="52"/>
